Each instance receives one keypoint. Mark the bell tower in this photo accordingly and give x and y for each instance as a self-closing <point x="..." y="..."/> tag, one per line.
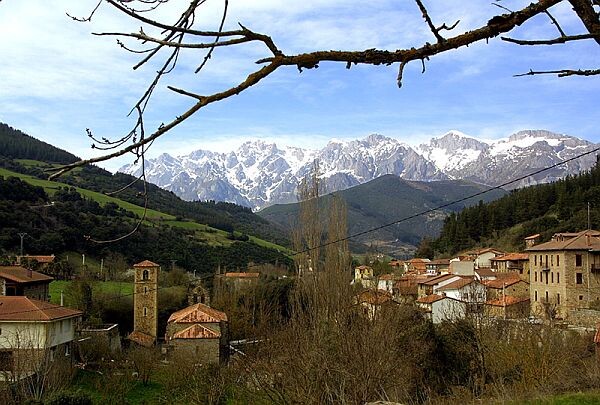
<point x="145" y="303"/>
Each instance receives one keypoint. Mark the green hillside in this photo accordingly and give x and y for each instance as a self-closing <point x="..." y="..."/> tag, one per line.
<point x="26" y="155"/>
<point x="545" y="209"/>
<point x="387" y="199"/>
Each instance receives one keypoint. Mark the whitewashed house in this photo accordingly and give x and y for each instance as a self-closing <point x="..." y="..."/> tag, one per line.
<point x="33" y="334"/>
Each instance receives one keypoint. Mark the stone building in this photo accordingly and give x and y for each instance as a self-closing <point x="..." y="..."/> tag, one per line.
<point x="200" y="332"/>
<point x="565" y="274"/>
<point x="145" y="303"/>
<point x="19" y="281"/>
<point x="512" y="262"/>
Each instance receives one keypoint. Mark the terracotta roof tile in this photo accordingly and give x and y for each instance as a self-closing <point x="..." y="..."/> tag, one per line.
<point x="502" y="282"/>
<point x="485" y="272"/>
<point x="455" y="285"/>
<point x="38" y="258"/>
<point x="19" y="308"/>
<point x="585" y="240"/>
<point x="197" y="331"/>
<point x="197" y="313"/>
<point x="141" y="338"/>
<point x="437" y="279"/>
<point x="374" y="297"/>
<point x="20" y="274"/>
<point x="146" y="263"/>
<point x="386" y="277"/>
<point x="430" y="299"/>
<point x="511" y="257"/>
<point x="242" y="275"/>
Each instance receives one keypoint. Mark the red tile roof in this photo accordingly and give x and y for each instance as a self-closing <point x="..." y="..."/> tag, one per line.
<point x="242" y="275"/>
<point x="374" y="297"/>
<point x="141" y="338"/>
<point x="430" y="299"/>
<point x="38" y="258"/>
<point x="507" y="300"/>
<point x="24" y="309"/>
<point x="386" y="277"/>
<point x="437" y="279"/>
<point x="485" y="272"/>
<point x="20" y="274"/>
<point x="502" y="282"/>
<point x="197" y="331"/>
<point x="585" y="240"/>
<point x="197" y="313"/>
<point x="146" y="263"/>
<point x="455" y="285"/>
<point x="511" y="257"/>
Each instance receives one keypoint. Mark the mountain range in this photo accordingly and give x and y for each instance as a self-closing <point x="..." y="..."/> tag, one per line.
<point x="259" y="174"/>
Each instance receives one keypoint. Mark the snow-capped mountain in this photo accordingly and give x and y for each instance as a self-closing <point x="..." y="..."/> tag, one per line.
<point x="259" y="174"/>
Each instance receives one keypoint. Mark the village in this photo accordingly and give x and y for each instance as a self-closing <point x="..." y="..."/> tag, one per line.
<point x="555" y="283"/>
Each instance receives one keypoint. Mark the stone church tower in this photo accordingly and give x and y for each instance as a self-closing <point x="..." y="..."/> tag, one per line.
<point x="145" y="303"/>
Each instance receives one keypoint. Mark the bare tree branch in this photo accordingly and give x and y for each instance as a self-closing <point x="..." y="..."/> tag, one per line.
<point x="589" y="17"/>
<point x="562" y="73"/>
<point x="559" y="40"/>
<point x="174" y="38"/>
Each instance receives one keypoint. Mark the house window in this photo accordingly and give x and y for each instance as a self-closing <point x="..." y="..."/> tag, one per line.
<point x="145" y="275"/>
<point x="546" y="260"/>
<point x="145" y="311"/>
<point x="578" y="261"/>
<point x="581" y="298"/>
<point x="546" y="277"/>
<point x="557" y="278"/>
<point x="535" y="295"/>
<point x="557" y="260"/>
<point x="551" y="260"/>
<point x="552" y="277"/>
<point x="579" y="278"/>
<point x="557" y="299"/>
<point x="6" y="360"/>
<point x="535" y="276"/>
<point x="546" y="296"/>
<point x="145" y="290"/>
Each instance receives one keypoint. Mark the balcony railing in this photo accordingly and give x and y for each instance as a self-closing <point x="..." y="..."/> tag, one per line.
<point x="545" y="268"/>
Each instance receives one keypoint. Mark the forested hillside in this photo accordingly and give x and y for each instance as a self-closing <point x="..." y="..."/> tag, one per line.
<point x="21" y="153"/>
<point x="15" y="144"/>
<point x="63" y="224"/>
<point x="545" y="209"/>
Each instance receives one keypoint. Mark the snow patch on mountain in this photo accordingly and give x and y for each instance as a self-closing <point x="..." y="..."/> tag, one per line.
<point x="260" y="173"/>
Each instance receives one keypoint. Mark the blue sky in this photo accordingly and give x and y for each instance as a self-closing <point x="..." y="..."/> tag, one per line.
<point x="56" y="79"/>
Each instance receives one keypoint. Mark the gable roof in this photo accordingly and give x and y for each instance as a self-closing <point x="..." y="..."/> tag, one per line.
<point x="197" y="331"/>
<point x="374" y="297"/>
<point x="242" y="275"/>
<point x="511" y="257"/>
<point x="385" y="277"/>
<point x="585" y="240"/>
<point x="37" y="258"/>
<point x="24" y="309"/>
<point x="146" y="263"/>
<point x="503" y="282"/>
<point x="458" y="284"/>
<point x="485" y="272"/>
<point x="20" y="274"/>
<point x="437" y="279"/>
<point x="141" y="338"/>
<point x="197" y="313"/>
<point x="430" y="299"/>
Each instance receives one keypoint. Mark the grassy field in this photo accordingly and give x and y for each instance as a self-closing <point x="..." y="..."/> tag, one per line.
<point x="205" y="233"/>
<point x="579" y="398"/>
<point x="114" y="287"/>
<point x="51" y="186"/>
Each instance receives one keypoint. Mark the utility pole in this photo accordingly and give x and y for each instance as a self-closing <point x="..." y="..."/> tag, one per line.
<point x="22" y="235"/>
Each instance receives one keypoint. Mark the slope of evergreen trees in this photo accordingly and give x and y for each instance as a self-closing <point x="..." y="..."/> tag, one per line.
<point x="64" y="224"/>
<point x="15" y="144"/>
<point x="546" y="209"/>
